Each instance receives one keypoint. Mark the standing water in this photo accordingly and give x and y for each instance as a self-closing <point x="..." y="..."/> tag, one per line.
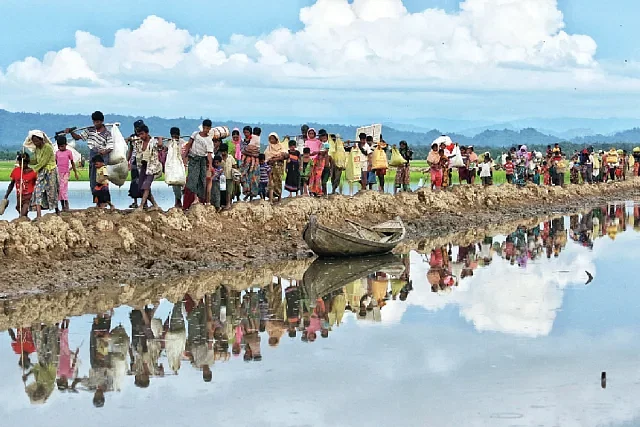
<point x="510" y="330"/>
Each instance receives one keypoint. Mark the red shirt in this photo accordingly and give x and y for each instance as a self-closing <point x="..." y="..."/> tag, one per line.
<point x="28" y="183"/>
<point x="508" y="168"/>
<point x="24" y="342"/>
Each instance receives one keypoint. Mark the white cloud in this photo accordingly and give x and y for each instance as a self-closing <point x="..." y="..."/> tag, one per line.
<point x="502" y="45"/>
<point x="502" y="299"/>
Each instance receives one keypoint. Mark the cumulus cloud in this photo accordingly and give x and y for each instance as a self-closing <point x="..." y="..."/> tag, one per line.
<point x="486" y="45"/>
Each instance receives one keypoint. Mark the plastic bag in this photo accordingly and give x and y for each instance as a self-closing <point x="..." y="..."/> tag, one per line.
<point x="118" y="173"/>
<point x="456" y="161"/>
<point x="119" y="152"/>
<point x="379" y="160"/>
<point x="223" y="183"/>
<point x="353" y="168"/>
<point x="174" y="170"/>
<point x="338" y="154"/>
<point x="396" y="158"/>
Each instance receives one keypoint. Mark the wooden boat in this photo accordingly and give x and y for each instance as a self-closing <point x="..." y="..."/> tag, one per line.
<point x="325" y="276"/>
<point x="330" y="243"/>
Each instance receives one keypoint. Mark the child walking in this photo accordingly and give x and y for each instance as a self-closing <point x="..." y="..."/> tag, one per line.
<point x="305" y="171"/>
<point x="485" y="171"/>
<point x="64" y="157"/>
<point x="216" y="173"/>
<point x="101" y="194"/>
<point x="23" y="179"/>
<point x="265" y="170"/>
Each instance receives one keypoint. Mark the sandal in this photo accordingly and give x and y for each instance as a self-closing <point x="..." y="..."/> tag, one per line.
<point x="133" y="205"/>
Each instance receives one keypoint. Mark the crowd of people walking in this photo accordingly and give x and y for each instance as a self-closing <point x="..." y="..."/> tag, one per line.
<point x="315" y="163"/>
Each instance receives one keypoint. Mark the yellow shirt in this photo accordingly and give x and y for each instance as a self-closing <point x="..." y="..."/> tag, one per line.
<point x="102" y="176"/>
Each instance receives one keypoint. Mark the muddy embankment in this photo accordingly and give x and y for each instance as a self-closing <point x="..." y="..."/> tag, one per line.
<point x="97" y="247"/>
<point x="50" y="308"/>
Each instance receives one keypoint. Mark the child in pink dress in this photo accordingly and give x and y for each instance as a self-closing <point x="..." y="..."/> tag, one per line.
<point x="67" y="360"/>
<point x="64" y="157"/>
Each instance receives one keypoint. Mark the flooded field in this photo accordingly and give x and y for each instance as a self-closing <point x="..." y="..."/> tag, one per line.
<point x="513" y="329"/>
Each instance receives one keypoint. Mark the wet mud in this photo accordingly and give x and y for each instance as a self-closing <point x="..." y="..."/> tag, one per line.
<point x="111" y="253"/>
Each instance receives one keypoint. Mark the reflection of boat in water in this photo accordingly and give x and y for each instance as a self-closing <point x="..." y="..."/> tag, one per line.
<point x="326" y="276"/>
<point x="375" y="240"/>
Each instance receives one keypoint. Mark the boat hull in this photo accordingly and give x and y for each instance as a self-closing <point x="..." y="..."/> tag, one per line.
<point x="329" y="243"/>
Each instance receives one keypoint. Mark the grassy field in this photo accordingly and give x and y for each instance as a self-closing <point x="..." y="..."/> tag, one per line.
<point x="499" y="177"/>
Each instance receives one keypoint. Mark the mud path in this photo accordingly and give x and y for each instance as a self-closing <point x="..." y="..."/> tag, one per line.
<point x="81" y="250"/>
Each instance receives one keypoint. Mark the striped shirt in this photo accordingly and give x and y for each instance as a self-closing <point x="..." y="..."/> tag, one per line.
<point x="508" y="168"/>
<point x="265" y="169"/>
<point x="97" y="140"/>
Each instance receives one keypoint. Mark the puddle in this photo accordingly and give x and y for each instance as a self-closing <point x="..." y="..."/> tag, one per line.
<point x="489" y="333"/>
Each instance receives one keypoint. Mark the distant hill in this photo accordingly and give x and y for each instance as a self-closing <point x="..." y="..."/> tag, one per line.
<point x="14" y="128"/>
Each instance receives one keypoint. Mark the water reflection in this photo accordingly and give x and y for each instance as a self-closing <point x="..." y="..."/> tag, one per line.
<point x="512" y="284"/>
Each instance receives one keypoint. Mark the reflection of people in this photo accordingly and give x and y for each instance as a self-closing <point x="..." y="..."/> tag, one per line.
<point x="145" y="345"/>
<point x="66" y="363"/>
<point x="44" y="372"/>
<point x="175" y="337"/>
<point x="22" y="345"/>
<point x="199" y="346"/>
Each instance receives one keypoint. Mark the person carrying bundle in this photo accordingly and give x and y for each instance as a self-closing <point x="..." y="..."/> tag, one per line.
<point x="99" y="140"/>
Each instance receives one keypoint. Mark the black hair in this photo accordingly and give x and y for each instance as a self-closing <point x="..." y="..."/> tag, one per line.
<point x="292" y="143"/>
<point x="235" y="132"/>
<point x="247" y="129"/>
<point x="257" y="131"/>
<point x="137" y="124"/>
<point x="207" y="123"/>
<point x="369" y="139"/>
<point x="143" y="128"/>
<point x="306" y="150"/>
<point x="304" y="128"/>
<point x="24" y="157"/>
<point x="322" y="132"/>
<point x="224" y="148"/>
<point x="174" y="131"/>
<point x="97" y="116"/>
<point x="97" y="159"/>
<point x="217" y="158"/>
<point x="98" y="400"/>
<point x="61" y="140"/>
<point x="261" y="156"/>
<point x="362" y="136"/>
<point x="405" y="143"/>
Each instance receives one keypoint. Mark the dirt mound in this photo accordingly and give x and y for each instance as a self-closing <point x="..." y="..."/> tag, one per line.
<point x="88" y="247"/>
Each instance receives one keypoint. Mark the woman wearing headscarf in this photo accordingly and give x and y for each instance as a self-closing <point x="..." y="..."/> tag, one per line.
<point x="45" y="195"/>
<point x="319" y="156"/>
<point x="237" y="141"/>
<point x="275" y="155"/>
<point x="249" y="167"/>
<point x="435" y="170"/>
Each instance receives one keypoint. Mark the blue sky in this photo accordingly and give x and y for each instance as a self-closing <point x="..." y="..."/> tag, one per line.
<point x="384" y="50"/>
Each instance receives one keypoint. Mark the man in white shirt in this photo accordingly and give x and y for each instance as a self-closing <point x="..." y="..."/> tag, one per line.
<point x="199" y="158"/>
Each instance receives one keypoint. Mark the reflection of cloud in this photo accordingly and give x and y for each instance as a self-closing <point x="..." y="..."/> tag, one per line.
<point x="505" y="298"/>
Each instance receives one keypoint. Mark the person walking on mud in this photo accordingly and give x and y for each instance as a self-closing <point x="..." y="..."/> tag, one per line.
<point x="98" y="139"/>
<point x="198" y="158"/>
